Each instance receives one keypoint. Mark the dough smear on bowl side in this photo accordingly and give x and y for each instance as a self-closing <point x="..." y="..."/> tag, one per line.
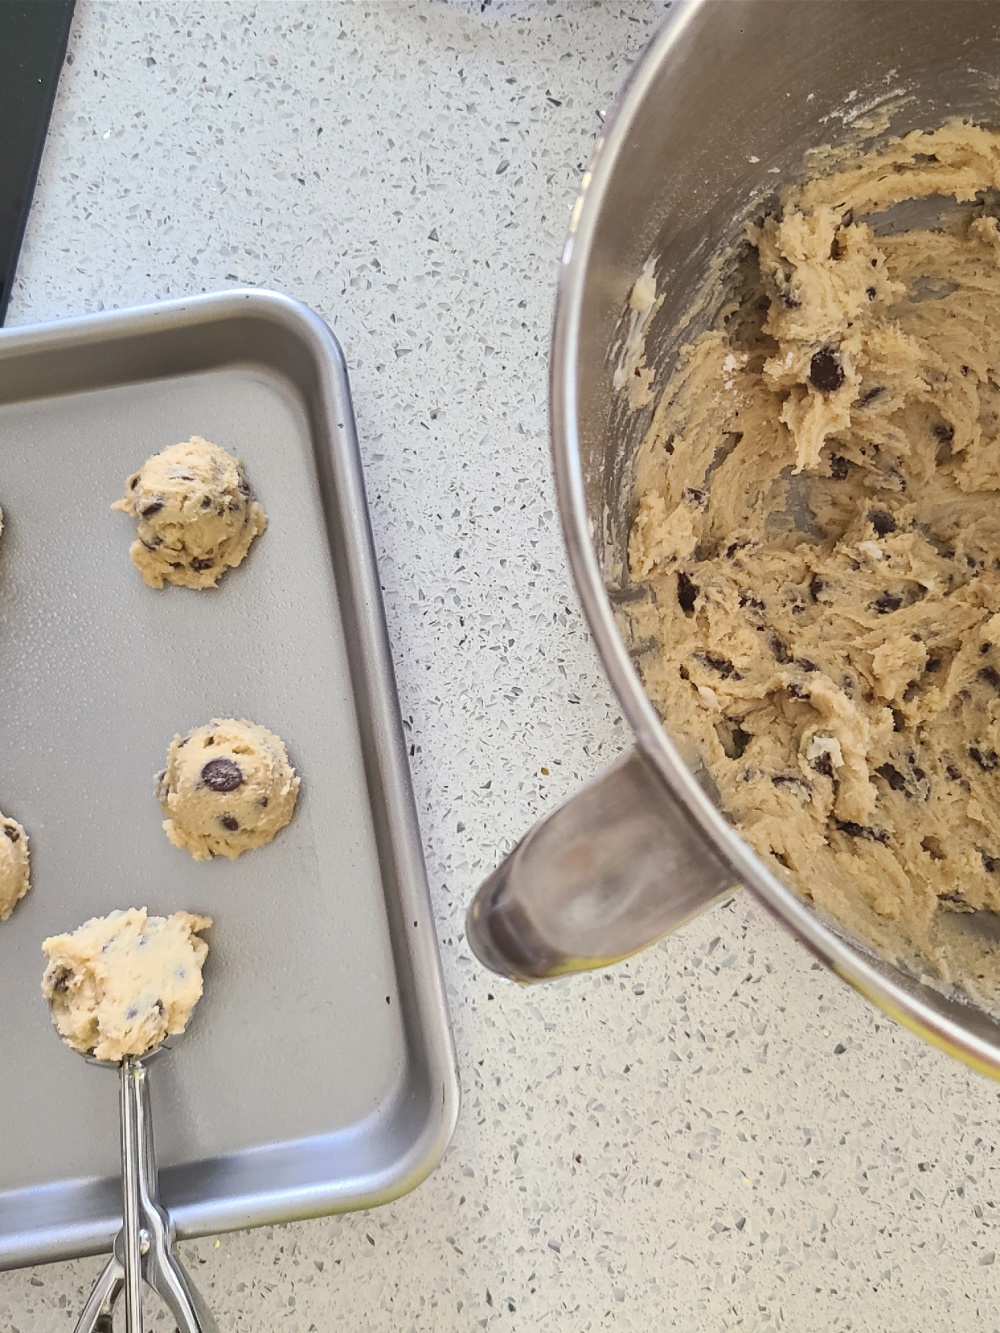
<point x="120" y="984"/>
<point x="15" y="869"/>
<point x="195" y="514"/>
<point x="817" y="531"/>
<point x="227" y="787"/>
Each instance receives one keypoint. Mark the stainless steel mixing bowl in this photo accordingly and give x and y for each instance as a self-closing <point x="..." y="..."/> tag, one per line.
<point x="722" y="106"/>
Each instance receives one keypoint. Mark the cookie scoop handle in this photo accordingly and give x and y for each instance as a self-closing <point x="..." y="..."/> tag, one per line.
<point x="150" y="1224"/>
<point x="611" y="871"/>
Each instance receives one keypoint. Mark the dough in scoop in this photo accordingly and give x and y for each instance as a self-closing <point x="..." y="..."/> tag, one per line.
<point x="120" y="984"/>
<point x="195" y="514"/>
<point x="227" y="787"/>
<point x="14" y="869"/>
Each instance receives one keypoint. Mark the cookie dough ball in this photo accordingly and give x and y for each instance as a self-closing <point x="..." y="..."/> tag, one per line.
<point x="195" y="514"/>
<point x="227" y="787"/>
<point x="120" y="984"/>
<point x="13" y="865"/>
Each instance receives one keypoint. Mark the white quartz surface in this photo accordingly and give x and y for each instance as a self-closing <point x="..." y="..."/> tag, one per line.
<point x="717" y="1134"/>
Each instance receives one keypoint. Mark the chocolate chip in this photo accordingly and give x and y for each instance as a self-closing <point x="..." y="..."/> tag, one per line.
<point x="133" y="482"/>
<point x="986" y="759"/>
<point x="754" y="603"/>
<point x="741" y="739"/>
<point x="805" y="664"/>
<point x="870" y="395"/>
<point x="898" y="720"/>
<point x="795" y="691"/>
<point x="953" y="773"/>
<point x="132" y="1013"/>
<point x="871" y="293"/>
<point x="151" y="546"/>
<point x="984" y="648"/>
<point x="893" y="776"/>
<point x="991" y="676"/>
<point x="152" y="508"/>
<point x="12" y="832"/>
<point x="854" y="830"/>
<point x="886" y="602"/>
<point x="693" y="497"/>
<point x="199" y="564"/>
<point x="826" y="372"/>
<point x="60" y="979"/>
<point x="221" y="775"/>
<point x="789" y="302"/>
<point x="687" y="593"/>
<point x="733" y="547"/>
<point x="944" y="432"/>
<point x="777" y="646"/>
<point x="722" y="665"/>
<point x="990" y="863"/>
<point x="228" y="822"/>
<point x="824" y="765"/>
<point x="816" y="586"/>
<point x="839" y="467"/>
<point x="263" y="802"/>
<point x="882" y="521"/>
<point x="933" y="664"/>
<point x="207" y="502"/>
<point x="836" y="248"/>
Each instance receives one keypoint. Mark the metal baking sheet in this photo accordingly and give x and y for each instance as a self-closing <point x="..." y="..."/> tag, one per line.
<point x="318" y="1072"/>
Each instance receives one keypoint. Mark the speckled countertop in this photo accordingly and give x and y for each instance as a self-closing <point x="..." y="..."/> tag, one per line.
<point x="717" y="1134"/>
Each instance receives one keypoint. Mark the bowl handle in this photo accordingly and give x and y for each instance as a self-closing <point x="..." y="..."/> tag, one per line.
<point x="616" y="867"/>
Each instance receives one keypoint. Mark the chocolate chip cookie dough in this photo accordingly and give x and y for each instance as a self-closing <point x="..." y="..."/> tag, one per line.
<point x="227" y="787"/>
<point x="14" y="868"/>
<point x="120" y="984"/>
<point x="817" y="530"/>
<point x="195" y="514"/>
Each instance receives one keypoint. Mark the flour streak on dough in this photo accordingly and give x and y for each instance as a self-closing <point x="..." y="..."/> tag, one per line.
<point x="817" y="530"/>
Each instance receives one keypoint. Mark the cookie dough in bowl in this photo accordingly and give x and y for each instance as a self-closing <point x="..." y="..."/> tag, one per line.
<point x="14" y="865"/>
<point x="227" y="787"/>
<point x="120" y="984"/>
<point x="195" y="514"/>
<point x="817" y="535"/>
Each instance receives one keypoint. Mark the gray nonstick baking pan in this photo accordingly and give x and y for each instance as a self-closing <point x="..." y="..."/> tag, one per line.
<point x="318" y="1072"/>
